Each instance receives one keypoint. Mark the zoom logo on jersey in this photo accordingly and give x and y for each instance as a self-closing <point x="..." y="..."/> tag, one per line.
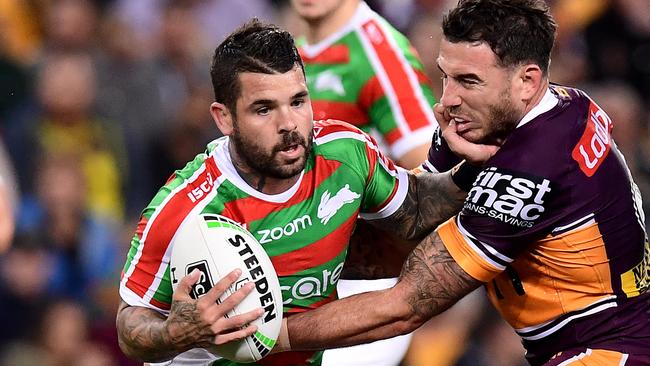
<point x="268" y="235"/>
<point x="512" y="197"/>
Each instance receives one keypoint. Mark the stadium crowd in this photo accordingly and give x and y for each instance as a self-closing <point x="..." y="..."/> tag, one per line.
<point x="100" y="101"/>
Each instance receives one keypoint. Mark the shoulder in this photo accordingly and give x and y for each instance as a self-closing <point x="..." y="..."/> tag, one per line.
<point x="335" y="131"/>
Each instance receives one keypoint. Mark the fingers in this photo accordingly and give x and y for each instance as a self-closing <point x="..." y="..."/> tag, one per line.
<point x="236" y="335"/>
<point x="442" y="116"/>
<point x="237" y="322"/>
<point x="185" y="285"/>
<point x="220" y="287"/>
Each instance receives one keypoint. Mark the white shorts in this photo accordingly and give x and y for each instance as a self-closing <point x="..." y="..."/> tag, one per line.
<point x="387" y="352"/>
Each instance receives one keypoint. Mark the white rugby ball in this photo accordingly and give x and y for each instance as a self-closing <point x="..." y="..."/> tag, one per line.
<point x="217" y="245"/>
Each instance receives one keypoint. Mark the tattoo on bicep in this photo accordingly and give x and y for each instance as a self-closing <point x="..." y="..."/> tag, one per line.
<point x="436" y="280"/>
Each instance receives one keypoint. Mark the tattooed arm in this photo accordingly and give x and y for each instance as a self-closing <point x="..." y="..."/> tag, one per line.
<point x="146" y="335"/>
<point x="431" y="199"/>
<point x="430" y="282"/>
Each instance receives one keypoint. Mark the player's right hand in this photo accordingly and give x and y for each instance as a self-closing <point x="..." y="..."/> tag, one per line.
<point x="475" y="153"/>
<point x="201" y="323"/>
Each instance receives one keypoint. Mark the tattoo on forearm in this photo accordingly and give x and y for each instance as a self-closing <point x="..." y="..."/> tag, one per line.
<point x="144" y="334"/>
<point x="141" y="335"/>
<point x="436" y="279"/>
<point x="431" y="199"/>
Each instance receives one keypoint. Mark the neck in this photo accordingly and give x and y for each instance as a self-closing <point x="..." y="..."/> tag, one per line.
<point x="257" y="180"/>
<point x="537" y="97"/>
<point x="321" y="28"/>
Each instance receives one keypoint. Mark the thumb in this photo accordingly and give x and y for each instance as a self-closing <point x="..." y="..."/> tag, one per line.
<point x="185" y="285"/>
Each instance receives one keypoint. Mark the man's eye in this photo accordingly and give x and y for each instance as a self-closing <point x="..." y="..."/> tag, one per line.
<point x="263" y="111"/>
<point x="298" y="102"/>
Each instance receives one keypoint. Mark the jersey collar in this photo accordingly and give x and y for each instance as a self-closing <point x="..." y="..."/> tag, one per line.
<point x="361" y="15"/>
<point x="549" y="100"/>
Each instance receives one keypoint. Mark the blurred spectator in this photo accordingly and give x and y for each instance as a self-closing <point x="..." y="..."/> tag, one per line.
<point x="82" y="245"/>
<point x="618" y="44"/>
<point x="213" y="18"/>
<point x="62" y="122"/>
<point x="65" y="337"/>
<point x="20" y="36"/>
<point x="130" y="96"/>
<point x="24" y="274"/>
<point x="70" y="26"/>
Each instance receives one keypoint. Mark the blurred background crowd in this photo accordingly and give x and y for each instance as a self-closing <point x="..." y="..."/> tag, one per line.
<point x="101" y="100"/>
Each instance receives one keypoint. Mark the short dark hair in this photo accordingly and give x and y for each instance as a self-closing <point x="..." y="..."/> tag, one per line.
<point x="254" y="47"/>
<point x="517" y="31"/>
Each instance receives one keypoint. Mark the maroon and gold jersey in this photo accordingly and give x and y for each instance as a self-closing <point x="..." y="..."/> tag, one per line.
<point x="553" y="225"/>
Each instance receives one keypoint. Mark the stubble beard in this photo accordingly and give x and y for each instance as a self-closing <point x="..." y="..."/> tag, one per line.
<point x="267" y="164"/>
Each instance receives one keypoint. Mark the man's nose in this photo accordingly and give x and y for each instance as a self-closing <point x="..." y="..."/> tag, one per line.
<point x="450" y="96"/>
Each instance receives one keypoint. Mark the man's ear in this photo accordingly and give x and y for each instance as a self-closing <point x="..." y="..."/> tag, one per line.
<point x="222" y="118"/>
<point x="530" y="77"/>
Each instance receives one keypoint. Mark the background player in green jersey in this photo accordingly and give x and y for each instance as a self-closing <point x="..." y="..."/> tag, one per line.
<point x="274" y="165"/>
<point x="361" y="70"/>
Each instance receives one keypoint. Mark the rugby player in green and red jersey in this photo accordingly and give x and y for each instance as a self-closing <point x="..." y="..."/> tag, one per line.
<point x="361" y="70"/>
<point x="297" y="185"/>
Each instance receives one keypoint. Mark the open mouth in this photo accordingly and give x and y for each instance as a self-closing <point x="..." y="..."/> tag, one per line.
<point x="292" y="151"/>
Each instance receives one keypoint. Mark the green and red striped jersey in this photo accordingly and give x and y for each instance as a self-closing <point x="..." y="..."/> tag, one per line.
<point x="368" y="74"/>
<point x="305" y="230"/>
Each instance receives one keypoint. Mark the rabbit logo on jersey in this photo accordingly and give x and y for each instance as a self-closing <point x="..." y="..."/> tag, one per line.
<point x="511" y="197"/>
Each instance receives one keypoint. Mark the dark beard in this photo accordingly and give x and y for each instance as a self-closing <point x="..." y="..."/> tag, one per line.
<point x="264" y="163"/>
<point x="505" y="119"/>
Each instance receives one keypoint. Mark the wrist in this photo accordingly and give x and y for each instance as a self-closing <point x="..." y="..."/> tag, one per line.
<point x="464" y="175"/>
<point x="282" y="344"/>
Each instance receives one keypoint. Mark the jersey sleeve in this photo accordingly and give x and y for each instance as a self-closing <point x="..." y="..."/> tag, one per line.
<point x="398" y="98"/>
<point x="145" y="279"/>
<point x="440" y="157"/>
<point x="384" y="184"/>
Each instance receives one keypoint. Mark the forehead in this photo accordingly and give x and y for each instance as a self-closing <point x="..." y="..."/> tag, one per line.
<point x="255" y="86"/>
<point x="466" y="57"/>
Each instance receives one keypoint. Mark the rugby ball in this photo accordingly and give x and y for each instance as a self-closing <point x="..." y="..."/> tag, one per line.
<point x="217" y="245"/>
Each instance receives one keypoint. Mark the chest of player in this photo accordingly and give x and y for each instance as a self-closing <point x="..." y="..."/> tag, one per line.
<point x="306" y="234"/>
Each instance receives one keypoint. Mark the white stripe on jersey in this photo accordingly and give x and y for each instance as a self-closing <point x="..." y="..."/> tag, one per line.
<point x="468" y="239"/>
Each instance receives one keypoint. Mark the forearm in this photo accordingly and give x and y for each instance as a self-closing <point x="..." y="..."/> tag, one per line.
<point x="142" y="334"/>
<point x="353" y="320"/>
<point x="431" y="199"/>
<point x="430" y="282"/>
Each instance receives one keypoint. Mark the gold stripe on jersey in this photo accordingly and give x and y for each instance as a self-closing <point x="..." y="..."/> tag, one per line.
<point x="559" y="275"/>
<point x="557" y="278"/>
<point x="466" y="257"/>
<point x="637" y="280"/>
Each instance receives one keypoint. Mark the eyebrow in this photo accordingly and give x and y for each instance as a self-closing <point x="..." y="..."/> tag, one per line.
<point x="469" y="75"/>
<point x="300" y="94"/>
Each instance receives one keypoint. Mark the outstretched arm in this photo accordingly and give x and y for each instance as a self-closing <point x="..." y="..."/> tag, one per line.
<point x="430" y="282"/>
<point x="146" y="335"/>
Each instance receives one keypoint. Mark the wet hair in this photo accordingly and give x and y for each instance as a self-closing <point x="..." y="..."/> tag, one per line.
<point x="517" y="31"/>
<point x="254" y="47"/>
